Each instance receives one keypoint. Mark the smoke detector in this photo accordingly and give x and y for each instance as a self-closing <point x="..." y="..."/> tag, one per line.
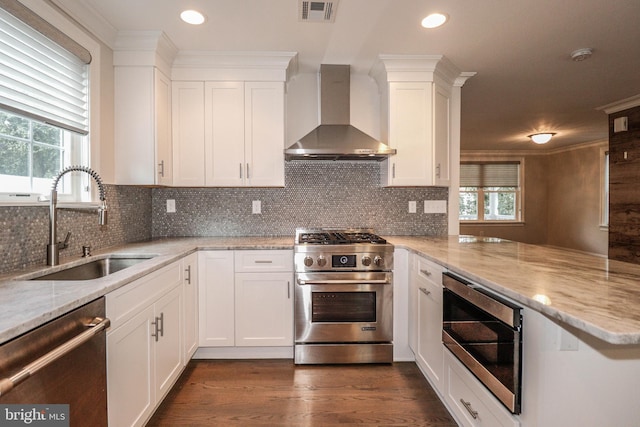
<point x="581" y="54"/>
<point x="317" y="11"/>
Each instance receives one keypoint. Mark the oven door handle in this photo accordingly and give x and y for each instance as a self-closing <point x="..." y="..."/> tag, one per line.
<point x="344" y="282"/>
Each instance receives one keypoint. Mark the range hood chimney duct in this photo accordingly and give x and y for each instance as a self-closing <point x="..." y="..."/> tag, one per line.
<point x="335" y="138"/>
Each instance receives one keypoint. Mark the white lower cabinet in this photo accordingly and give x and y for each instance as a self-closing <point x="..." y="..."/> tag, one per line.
<point x="471" y="403"/>
<point x="246" y="298"/>
<point x="426" y="278"/>
<point x="190" y="305"/>
<point x="144" y="344"/>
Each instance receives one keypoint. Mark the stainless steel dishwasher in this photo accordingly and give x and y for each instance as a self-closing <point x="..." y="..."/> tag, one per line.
<point x="61" y="362"/>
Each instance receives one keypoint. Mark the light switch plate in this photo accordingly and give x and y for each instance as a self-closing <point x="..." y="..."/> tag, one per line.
<point x="435" y="206"/>
<point x="412" y="206"/>
<point x="171" y="206"/>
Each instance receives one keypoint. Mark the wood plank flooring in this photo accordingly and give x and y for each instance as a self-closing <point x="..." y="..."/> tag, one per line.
<point x="279" y="393"/>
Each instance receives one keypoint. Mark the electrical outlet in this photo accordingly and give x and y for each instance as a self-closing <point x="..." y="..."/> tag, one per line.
<point x="256" y="207"/>
<point x="412" y="206"/>
<point x="171" y="205"/>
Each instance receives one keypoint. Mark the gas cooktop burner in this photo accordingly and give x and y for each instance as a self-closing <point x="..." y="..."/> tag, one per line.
<point x="337" y="237"/>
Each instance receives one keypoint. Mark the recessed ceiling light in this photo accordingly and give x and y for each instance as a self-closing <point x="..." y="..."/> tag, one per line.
<point x="192" y="17"/>
<point x="434" y="20"/>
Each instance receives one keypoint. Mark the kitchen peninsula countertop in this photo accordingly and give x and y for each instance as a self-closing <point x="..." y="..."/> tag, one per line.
<point x="591" y="293"/>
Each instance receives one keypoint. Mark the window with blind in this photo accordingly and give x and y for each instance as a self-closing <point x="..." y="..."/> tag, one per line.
<point x="44" y="107"/>
<point x="490" y="191"/>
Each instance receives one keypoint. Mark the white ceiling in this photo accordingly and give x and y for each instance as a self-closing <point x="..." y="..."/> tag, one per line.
<point x="520" y="49"/>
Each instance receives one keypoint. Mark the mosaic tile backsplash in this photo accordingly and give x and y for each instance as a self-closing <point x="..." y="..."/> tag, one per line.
<point x="25" y="230"/>
<point x="316" y="194"/>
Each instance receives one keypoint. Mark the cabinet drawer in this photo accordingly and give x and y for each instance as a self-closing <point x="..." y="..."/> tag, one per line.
<point x="128" y="300"/>
<point x="473" y="404"/>
<point x="263" y="261"/>
<point x="428" y="270"/>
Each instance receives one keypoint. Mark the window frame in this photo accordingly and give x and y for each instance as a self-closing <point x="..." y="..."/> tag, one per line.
<point x="81" y="198"/>
<point x="520" y="191"/>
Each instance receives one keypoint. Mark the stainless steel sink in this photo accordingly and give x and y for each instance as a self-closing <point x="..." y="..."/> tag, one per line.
<point x="95" y="269"/>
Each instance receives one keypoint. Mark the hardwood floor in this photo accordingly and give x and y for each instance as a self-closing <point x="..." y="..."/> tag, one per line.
<point x="279" y="393"/>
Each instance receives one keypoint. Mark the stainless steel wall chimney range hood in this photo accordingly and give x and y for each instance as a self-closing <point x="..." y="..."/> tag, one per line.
<point x="335" y="138"/>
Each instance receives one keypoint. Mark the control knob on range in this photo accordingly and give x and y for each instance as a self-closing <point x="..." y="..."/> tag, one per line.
<point x="378" y="261"/>
<point x="366" y="261"/>
<point x="308" y="261"/>
<point x="322" y="261"/>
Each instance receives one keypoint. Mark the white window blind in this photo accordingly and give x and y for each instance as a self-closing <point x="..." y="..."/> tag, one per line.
<point x="489" y="174"/>
<point x="40" y="79"/>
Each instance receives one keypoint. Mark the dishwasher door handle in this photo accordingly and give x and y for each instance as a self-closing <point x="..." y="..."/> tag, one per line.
<point x="96" y="326"/>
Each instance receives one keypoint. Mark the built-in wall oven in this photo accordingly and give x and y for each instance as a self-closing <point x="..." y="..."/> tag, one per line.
<point x="484" y="331"/>
<point x="343" y="297"/>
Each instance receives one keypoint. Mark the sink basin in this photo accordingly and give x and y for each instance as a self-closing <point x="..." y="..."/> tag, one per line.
<point x="95" y="269"/>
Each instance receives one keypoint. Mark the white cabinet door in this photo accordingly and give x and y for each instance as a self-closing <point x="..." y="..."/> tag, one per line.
<point x="142" y="126"/>
<point x="190" y="305"/>
<point x="428" y="285"/>
<point x="441" y="133"/>
<point x="264" y="309"/>
<point x="216" y="299"/>
<point x="225" y="134"/>
<point x="188" y="133"/>
<point x="410" y="132"/>
<point x="130" y="371"/>
<point x="264" y="134"/>
<point x="168" y="341"/>
<point x="164" y="146"/>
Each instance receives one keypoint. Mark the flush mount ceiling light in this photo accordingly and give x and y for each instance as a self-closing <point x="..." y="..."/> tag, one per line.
<point x="192" y="17"/>
<point x="434" y="20"/>
<point x="542" y="138"/>
<point x="581" y="54"/>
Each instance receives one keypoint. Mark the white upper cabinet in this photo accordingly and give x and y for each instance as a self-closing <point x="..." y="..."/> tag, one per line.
<point x="244" y="134"/>
<point x="188" y="134"/>
<point x="418" y="115"/>
<point x="142" y="109"/>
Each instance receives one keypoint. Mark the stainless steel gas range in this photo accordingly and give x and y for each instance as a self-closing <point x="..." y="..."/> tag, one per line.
<point x="343" y="297"/>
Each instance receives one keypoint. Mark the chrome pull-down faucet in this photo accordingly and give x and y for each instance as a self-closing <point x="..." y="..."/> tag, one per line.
<point x="53" y="248"/>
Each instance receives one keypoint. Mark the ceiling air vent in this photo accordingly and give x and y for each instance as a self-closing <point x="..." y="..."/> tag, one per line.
<point x="317" y="11"/>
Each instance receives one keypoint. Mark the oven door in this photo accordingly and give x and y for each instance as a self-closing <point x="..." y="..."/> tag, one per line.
<point x="344" y="307"/>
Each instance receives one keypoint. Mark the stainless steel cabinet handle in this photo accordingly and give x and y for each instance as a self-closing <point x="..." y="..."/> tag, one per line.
<point x="393" y="171"/>
<point x="240" y="170"/>
<point x="467" y="406"/>
<point x="161" y="168"/>
<point x="438" y="171"/>
<point x="426" y="272"/>
<point x="288" y="289"/>
<point x="97" y="325"/>
<point x="266" y="261"/>
<point x="425" y="291"/>
<point x="248" y="176"/>
<point x="188" y="271"/>
<point x="159" y="327"/>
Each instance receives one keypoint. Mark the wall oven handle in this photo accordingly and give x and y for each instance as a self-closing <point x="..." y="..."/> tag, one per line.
<point x="96" y="326"/>
<point x="468" y="407"/>
<point x="344" y="282"/>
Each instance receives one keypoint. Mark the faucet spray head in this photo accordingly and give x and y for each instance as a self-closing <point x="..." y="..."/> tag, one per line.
<point x="102" y="213"/>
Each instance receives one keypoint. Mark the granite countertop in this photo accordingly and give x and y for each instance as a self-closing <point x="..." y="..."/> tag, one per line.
<point x="589" y="292"/>
<point x="596" y="295"/>
<point x="25" y="304"/>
